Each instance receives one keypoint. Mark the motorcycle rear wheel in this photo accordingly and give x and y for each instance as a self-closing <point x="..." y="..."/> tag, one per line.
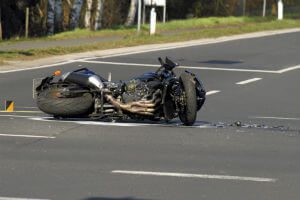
<point x="51" y="103"/>
<point x="188" y="114"/>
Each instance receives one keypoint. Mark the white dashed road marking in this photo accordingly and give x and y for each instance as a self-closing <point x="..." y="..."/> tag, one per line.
<point x="248" y="81"/>
<point x="279" y="118"/>
<point x="27" y="136"/>
<point x="212" y="92"/>
<point x="199" y="176"/>
<point x="15" y="198"/>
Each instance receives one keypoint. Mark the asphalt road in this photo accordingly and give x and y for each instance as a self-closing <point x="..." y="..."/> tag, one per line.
<point x="41" y="158"/>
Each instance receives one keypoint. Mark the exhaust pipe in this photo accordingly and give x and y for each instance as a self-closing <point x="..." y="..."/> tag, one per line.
<point x="139" y="107"/>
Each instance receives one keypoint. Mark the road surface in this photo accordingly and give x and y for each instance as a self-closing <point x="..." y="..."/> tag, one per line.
<point x="252" y="81"/>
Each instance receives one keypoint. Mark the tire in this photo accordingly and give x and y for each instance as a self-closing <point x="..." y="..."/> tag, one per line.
<point x="49" y="102"/>
<point x="188" y="114"/>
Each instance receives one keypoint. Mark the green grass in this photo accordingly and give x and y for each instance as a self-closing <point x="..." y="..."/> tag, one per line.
<point x="188" y="30"/>
<point x="209" y="22"/>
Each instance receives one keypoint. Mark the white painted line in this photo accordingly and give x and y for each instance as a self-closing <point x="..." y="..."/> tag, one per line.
<point x="121" y="124"/>
<point x="17" y="116"/>
<point x="248" y="81"/>
<point x="21" y="111"/>
<point x="212" y="92"/>
<point x="118" y="63"/>
<point x="177" y="45"/>
<point x="289" y="69"/>
<point x="100" y="123"/>
<point x="279" y="118"/>
<point x="168" y="46"/>
<point x="180" y="67"/>
<point x="200" y="176"/>
<point x="27" y="136"/>
<point x="26" y="107"/>
<point x="15" y="198"/>
<point x="38" y="67"/>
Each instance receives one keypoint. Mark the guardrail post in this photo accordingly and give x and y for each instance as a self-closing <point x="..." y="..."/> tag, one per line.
<point x="152" y="21"/>
<point x="280" y="10"/>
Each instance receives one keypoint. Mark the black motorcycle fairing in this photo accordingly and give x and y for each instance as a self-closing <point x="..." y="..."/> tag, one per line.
<point x="149" y="76"/>
<point x="86" y="71"/>
<point x="168" y="64"/>
<point x="45" y="81"/>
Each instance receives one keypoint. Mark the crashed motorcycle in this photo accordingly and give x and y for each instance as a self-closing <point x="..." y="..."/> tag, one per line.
<point x="158" y="95"/>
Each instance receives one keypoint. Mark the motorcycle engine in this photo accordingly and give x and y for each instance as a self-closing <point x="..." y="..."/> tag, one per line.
<point x="136" y="90"/>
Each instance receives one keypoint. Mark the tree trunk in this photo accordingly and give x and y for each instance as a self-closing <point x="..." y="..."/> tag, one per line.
<point x="99" y="14"/>
<point x="50" y="17"/>
<point x="0" y="23"/>
<point x="58" y="15"/>
<point x="131" y="13"/>
<point x="75" y="14"/>
<point x="87" y="17"/>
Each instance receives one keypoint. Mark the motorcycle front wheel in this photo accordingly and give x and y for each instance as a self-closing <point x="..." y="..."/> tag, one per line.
<point x="51" y="102"/>
<point x="188" y="114"/>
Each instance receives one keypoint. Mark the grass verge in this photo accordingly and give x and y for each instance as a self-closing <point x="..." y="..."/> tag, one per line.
<point x="179" y="30"/>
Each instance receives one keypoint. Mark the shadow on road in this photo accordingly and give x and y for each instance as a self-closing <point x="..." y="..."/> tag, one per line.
<point x="222" y="62"/>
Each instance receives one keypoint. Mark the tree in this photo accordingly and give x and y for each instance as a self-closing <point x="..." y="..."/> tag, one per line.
<point x="50" y="17"/>
<point x="58" y="15"/>
<point x="54" y="16"/>
<point x="131" y="13"/>
<point x="99" y="14"/>
<point x="88" y="11"/>
<point x="0" y="22"/>
<point x="75" y="14"/>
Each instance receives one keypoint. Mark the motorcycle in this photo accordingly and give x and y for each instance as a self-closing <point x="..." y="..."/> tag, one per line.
<point x="156" y="96"/>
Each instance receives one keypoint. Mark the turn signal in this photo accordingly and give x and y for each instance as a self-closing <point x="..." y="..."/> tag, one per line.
<point x="57" y="73"/>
